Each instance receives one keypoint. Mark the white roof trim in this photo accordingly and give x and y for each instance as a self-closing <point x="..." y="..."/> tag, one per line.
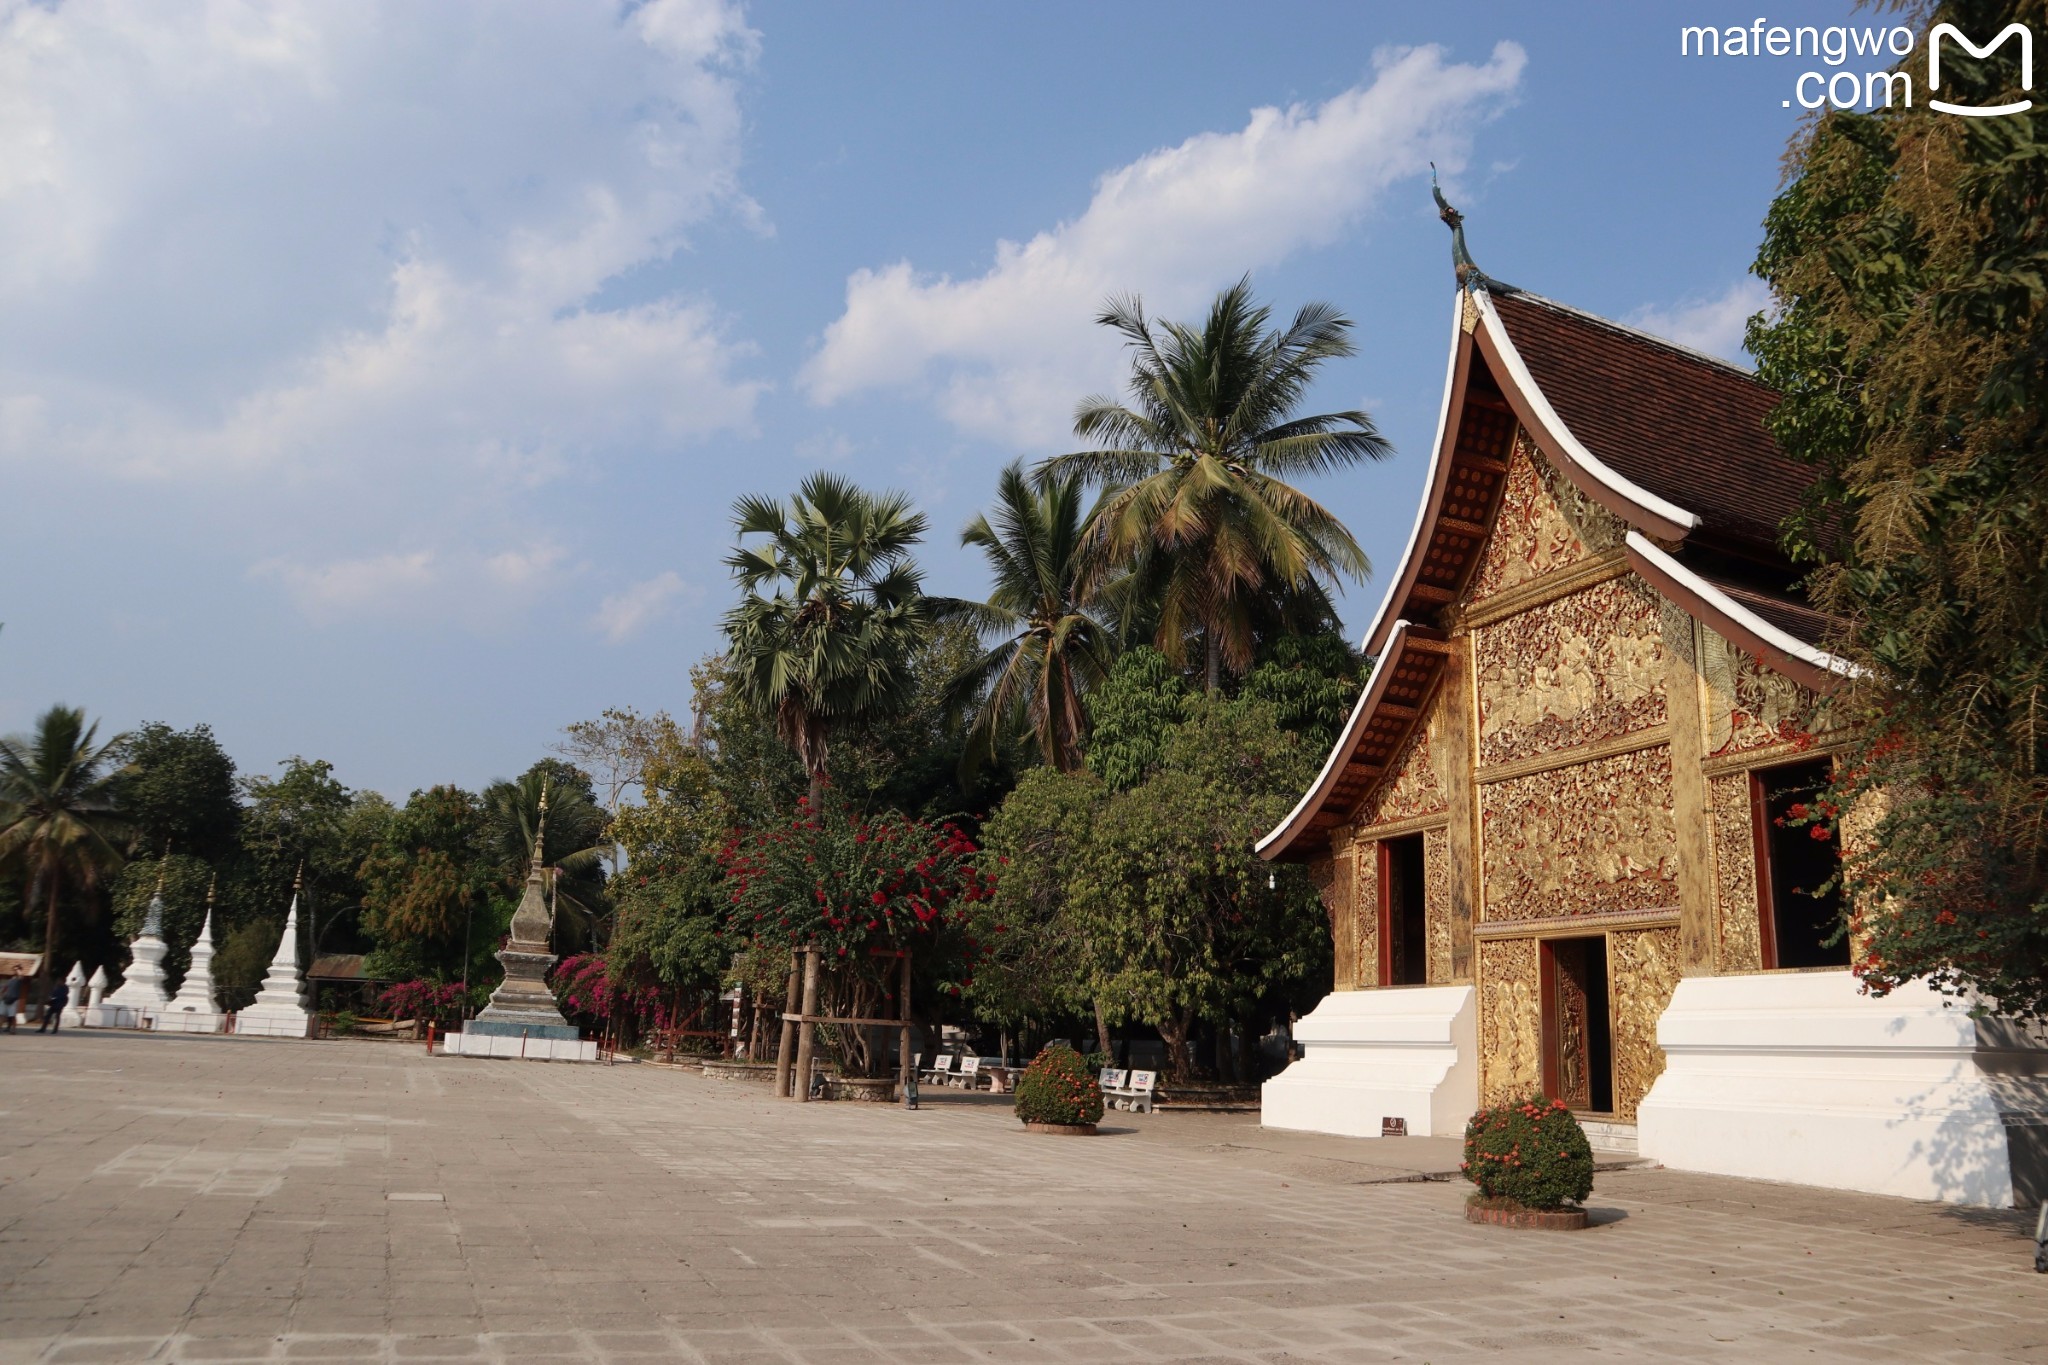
<point x="1436" y="457"/>
<point x="1342" y="746"/>
<point x="1741" y="615"/>
<point x="1574" y="449"/>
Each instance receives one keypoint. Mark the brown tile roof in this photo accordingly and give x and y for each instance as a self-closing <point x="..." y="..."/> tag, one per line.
<point x="1796" y="619"/>
<point x="1682" y="425"/>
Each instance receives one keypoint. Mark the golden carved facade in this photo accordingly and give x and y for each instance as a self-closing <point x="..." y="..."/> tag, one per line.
<point x="1740" y="948"/>
<point x="1436" y="881"/>
<point x="1365" y="915"/>
<point x="1587" y="667"/>
<point x="1415" y="781"/>
<point x="1591" y="838"/>
<point x="1510" y="1021"/>
<point x="1748" y="706"/>
<point x="1643" y="969"/>
<point x="1544" y="524"/>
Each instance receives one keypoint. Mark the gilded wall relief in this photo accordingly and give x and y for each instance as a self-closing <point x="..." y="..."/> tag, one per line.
<point x="1575" y="671"/>
<point x="1510" y="1021"/>
<point x="1436" y="893"/>
<point x="1643" y="966"/>
<point x="1414" y="784"/>
<point x="1735" y="894"/>
<point x="1749" y="705"/>
<point x="1592" y="837"/>
<point x="1331" y="877"/>
<point x="1365" y="914"/>
<point x="1544" y="524"/>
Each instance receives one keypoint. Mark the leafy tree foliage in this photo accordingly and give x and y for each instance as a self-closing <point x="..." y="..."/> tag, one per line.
<point x="1908" y="255"/>
<point x="179" y="790"/>
<point x="671" y="901"/>
<point x="428" y="886"/>
<point x="577" y="841"/>
<point x="1196" y="469"/>
<point x="304" y="825"/>
<point x="1135" y="712"/>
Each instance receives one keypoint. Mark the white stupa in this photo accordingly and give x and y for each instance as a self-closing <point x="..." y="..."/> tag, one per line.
<point x="193" y="1009"/>
<point x="280" y="1009"/>
<point x="142" y="994"/>
<point x="74" y="994"/>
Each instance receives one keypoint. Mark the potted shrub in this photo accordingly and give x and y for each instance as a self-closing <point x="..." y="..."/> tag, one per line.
<point x="1532" y="1164"/>
<point x="1059" y="1094"/>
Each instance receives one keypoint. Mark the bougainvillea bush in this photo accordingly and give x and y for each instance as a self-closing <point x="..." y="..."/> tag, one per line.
<point x="1058" y="1087"/>
<point x="438" y="1001"/>
<point x="861" y="889"/>
<point x="1532" y="1153"/>
<point x="587" y="990"/>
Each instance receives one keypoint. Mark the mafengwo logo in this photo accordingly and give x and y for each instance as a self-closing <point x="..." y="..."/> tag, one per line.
<point x="1878" y="85"/>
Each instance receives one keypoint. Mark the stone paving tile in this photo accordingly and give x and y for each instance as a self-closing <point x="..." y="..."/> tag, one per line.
<point x="226" y="1200"/>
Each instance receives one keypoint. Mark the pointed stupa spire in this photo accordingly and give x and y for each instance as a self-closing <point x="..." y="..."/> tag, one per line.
<point x="1468" y="272"/>
<point x="153" y="920"/>
<point x="540" y="831"/>
<point x="279" y="1010"/>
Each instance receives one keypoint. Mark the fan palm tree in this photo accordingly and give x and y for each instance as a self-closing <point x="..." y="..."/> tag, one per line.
<point x="1196" y="468"/>
<point x="1044" y="614"/>
<point x="830" y="643"/>
<point x="59" y="817"/>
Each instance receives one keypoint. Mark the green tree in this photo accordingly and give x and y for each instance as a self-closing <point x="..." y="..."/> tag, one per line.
<point x="428" y="886"/>
<point x="1050" y="643"/>
<point x="1197" y="470"/>
<point x="60" y="823"/>
<point x="179" y="789"/>
<point x="829" y="644"/>
<point x="1908" y="258"/>
<point x="672" y="896"/>
<point x="1035" y="965"/>
<point x="1135" y="711"/>
<point x="304" y="818"/>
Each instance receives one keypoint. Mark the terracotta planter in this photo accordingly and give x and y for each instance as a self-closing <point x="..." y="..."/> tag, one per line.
<point x="1515" y="1216"/>
<point x="1061" y="1129"/>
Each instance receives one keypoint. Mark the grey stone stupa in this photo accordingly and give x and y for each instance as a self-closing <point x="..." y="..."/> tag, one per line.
<point x="523" y="1006"/>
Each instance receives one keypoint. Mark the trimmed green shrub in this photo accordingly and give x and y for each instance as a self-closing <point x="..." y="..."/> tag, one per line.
<point x="1533" y="1153"/>
<point x="1058" y="1087"/>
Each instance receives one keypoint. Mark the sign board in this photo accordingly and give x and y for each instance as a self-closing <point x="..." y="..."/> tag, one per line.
<point x="1393" y="1128"/>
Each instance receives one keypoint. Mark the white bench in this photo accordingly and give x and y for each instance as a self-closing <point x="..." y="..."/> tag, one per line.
<point x="968" y="1077"/>
<point x="941" y="1069"/>
<point x="1133" y="1090"/>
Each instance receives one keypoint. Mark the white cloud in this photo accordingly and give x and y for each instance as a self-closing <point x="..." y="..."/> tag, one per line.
<point x="481" y="589"/>
<point x="351" y="260"/>
<point x="624" y="614"/>
<point x="1005" y="354"/>
<point x="1714" y="325"/>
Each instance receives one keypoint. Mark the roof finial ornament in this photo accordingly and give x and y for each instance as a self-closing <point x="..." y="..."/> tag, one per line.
<point x="299" y="878"/>
<point x="1469" y="274"/>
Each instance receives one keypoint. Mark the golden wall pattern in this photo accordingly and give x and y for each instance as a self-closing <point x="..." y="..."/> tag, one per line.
<point x="1365" y="917"/>
<point x="1414" y="784"/>
<point x="1735" y="893"/>
<point x="1544" y="524"/>
<point x="1436" y="893"/>
<point x="1748" y="705"/>
<point x="1584" y="668"/>
<point x="1643" y="969"/>
<point x="1596" y="836"/>
<point x="1510" y="1021"/>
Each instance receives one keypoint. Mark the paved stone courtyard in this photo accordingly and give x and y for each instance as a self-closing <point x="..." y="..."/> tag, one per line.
<point x="221" y="1199"/>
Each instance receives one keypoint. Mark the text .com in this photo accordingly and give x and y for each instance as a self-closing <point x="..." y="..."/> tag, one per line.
<point x="1864" y="62"/>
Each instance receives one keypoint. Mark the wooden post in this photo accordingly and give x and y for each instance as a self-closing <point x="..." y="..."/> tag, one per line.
<point x="785" y="1052"/>
<point x="906" y="1064"/>
<point x="806" y="1032"/>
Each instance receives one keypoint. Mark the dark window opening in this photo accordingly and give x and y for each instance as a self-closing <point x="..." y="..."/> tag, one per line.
<point x="1578" y="1039"/>
<point x="1407" y="914"/>
<point x="1798" y="918"/>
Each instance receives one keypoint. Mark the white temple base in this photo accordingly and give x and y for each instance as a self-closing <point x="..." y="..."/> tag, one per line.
<point x="274" y="1024"/>
<point x="171" y="1019"/>
<point x="531" y="1049"/>
<point x="1796" y="1076"/>
<point x="1408" y="1053"/>
<point x="111" y="1016"/>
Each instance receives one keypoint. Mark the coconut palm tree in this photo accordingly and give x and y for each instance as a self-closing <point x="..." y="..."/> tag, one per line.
<point x="1196" y="469"/>
<point x="59" y="819"/>
<point x="573" y="849"/>
<point x="1051" y="641"/>
<point x="830" y="643"/>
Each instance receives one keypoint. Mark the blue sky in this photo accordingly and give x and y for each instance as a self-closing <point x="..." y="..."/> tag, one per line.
<point x="375" y="378"/>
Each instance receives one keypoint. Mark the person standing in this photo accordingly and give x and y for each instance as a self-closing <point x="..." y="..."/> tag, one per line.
<point x="10" y="999"/>
<point x="53" y="1008"/>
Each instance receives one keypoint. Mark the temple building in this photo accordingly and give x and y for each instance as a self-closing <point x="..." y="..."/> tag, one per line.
<point x="1547" y="836"/>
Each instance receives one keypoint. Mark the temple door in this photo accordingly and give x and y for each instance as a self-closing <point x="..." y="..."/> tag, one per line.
<point x="1577" y="1046"/>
